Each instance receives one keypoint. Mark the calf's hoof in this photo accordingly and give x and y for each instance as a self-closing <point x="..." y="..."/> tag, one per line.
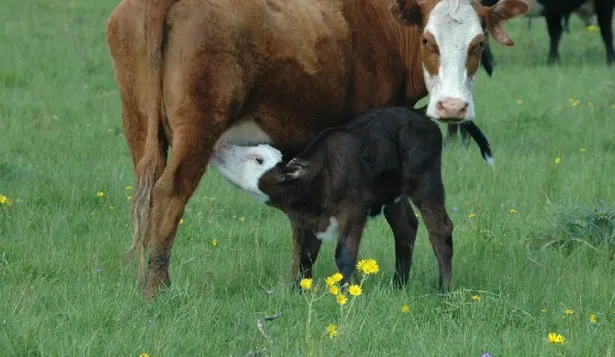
<point x="553" y="60"/>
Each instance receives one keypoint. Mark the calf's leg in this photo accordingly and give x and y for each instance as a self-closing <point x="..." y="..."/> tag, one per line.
<point x="403" y="223"/>
<point x="427" y="193"/>
<point x="305" y="251"/>
<point x="554" y="25"/>
<point x="347" y="249"/>
<point x="604" y="12"/>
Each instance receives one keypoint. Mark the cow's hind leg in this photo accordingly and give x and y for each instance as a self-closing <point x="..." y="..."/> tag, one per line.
<point x="427" y="193"/>
<point x="404" y="225"/>
<point x="198" y="115"/>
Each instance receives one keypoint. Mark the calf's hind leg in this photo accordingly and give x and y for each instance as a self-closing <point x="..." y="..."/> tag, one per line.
<point x="427" y="193"/>
<point x="404" y="225"/>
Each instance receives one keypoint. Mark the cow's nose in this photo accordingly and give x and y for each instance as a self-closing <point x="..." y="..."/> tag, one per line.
<point x="451" y="109"/>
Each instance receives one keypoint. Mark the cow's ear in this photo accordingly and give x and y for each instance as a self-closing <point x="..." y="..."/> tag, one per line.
<point x="407" y="12"/>
<point x="294" y="169"/>
<point x="493" y="17"/>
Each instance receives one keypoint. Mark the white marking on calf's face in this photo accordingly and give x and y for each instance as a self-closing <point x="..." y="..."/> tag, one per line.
<point x="331" y="232"/>
<point x="243" y="166"/>
<point x="453" y="25"/>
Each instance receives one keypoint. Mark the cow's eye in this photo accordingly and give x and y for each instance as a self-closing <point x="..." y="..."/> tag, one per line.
<point x="259" y="160"/>
<point x="481" y="44"/>
<point x="425" y="41"/>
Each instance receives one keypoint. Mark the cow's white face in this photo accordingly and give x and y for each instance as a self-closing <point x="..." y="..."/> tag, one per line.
<point x="451" y="49"/>
<point x="451" y="46"/>
<point x="243" y="166"/>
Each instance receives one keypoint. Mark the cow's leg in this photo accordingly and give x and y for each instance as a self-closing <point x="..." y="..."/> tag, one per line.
<point x="427" y="193"/>
<point x="403" y="223"/>
<point x="347" y="249"/>
<point x="604" y="12"/>
<point x="554" y="25"/>
<point x="305" y="251"/>
<point x="198" y="104"/>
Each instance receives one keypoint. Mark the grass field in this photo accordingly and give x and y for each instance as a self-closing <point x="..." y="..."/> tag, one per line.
<point x="528" y="244"/>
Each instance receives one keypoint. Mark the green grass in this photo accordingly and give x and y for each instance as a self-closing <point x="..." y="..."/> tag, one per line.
<point x="65" y="290"/>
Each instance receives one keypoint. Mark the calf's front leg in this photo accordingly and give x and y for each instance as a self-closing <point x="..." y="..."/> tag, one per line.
<point x="347" y="249"/>
<point x="306" y="247"/>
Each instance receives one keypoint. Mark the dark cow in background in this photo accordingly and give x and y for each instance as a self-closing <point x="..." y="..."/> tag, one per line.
<point x="348" y="174"/>
<point x="194" y="73"/>
<point x="555" y="11"/>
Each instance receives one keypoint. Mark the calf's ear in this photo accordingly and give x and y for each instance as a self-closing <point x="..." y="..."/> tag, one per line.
<point x="294" y="169"/>
<point x="494" y="16"/>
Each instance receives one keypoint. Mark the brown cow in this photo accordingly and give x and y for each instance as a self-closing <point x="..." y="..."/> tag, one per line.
<point x="194" y="72"/>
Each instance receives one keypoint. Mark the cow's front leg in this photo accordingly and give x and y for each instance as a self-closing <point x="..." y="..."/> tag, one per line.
<point x="347" y="250"/>
<point x="554" y="25"/>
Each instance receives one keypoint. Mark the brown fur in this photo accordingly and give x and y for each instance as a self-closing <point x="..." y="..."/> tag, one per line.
<point x="430" y="53"/>
<point x="475" y="49"/>
<point x="187" y="70"/>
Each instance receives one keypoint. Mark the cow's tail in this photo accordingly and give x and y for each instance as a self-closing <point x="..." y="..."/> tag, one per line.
<point x="151" y="165"/>
<point x="480" y="139"/>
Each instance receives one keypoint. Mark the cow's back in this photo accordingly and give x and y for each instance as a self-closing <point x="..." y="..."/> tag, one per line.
<point x="293" y="62"/>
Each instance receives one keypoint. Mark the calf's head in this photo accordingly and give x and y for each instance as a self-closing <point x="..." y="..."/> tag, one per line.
<point x="451" y="45"/>
<point x="259" y="171"/>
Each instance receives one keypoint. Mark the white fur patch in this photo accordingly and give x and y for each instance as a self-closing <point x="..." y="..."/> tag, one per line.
<point x="454" y="24"/>
<point x="331" y="232"/>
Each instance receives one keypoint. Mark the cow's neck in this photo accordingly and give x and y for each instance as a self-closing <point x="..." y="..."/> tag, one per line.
<point x="407" y="41"/>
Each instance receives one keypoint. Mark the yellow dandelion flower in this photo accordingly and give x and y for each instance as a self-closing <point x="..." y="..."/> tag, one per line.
<point x="128" y="188"/>
<point x="553" y="337"/>
<point x="543" y="309"/>
<point x="592" y="28"/>
<point x="475" y="297"/>
<point x="330" y="281"/>
<point x="100" y="194"/>
<point x="512" y="210"/>
<point x="568" y="312"/>
<point x="337" y="277"/>
<point x="593" y="318"/>
<point x="582" y="149"/>
<point x="306" y="284"/>
<point x="519" y="101"/>
<point x="129" y="197"/>
<point x="557" y="160"/>
<point x="368" y="266"/>
<point x="355" y="290"/>
<point x="333" y="289"/>
<point x="181" y="221"/>
<point x="405" y="308"/>
<point x="214" y="242"/>
<point x="332" y="330"/>
<point x="341" y="299"/>
<point x="5" y="201"/>
<point x="471" y="215"/>
<point x="143" y="355"/>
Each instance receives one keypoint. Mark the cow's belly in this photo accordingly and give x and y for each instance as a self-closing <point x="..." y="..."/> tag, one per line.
<point x="245" y="132"/>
